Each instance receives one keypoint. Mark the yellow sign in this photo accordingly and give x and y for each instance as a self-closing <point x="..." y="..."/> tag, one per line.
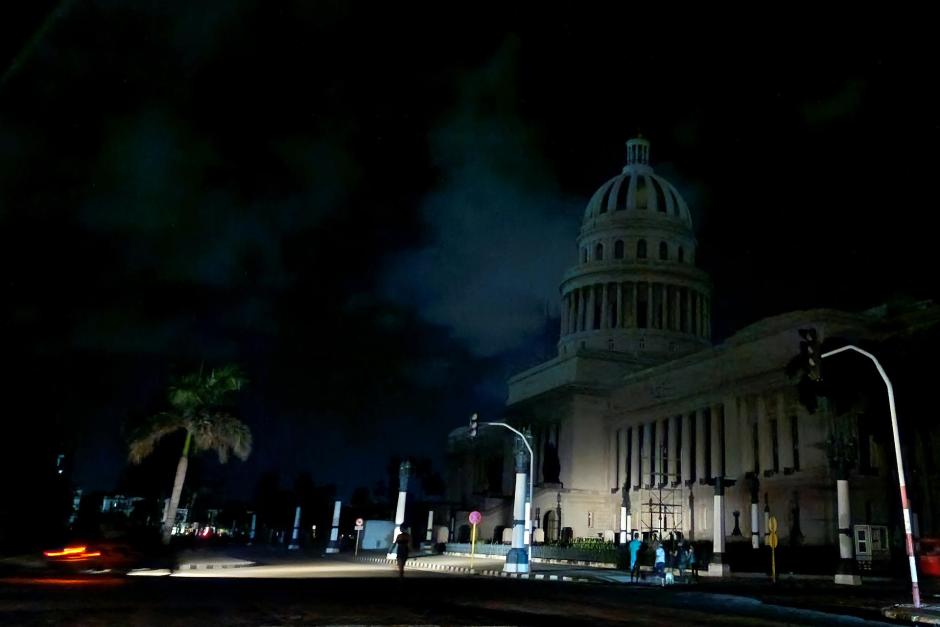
<point x="772" y="541"/>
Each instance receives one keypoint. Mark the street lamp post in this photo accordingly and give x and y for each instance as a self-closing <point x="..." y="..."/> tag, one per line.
<point x="905" y="504"/>
<point x="525" y="440"/>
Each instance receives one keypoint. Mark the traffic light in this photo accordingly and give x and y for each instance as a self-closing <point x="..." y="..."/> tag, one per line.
<point x="474" y="425"/>
<point x="810" y="354"/>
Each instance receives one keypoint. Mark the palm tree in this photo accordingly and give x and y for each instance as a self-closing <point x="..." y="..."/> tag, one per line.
<point x="197" y="403"/>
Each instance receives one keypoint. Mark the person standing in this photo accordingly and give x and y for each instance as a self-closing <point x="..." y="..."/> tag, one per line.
<point x="634" y="547"/>
<point x="659" y="566"/>
<point x="404" y="545"/>
<point x="693" y="563"/>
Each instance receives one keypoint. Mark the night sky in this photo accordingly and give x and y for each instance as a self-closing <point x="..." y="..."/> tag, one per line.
<point x="370" y="211"/>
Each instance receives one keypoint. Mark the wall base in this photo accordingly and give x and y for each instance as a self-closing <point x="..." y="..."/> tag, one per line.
<point x="848" y="580"/>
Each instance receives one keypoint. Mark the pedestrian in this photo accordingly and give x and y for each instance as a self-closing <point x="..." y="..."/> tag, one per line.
<point x="404" y="545"/>
<point x="693" y="563"/>
<point x="682" y="559"/>
<point x="635" y="546"/>
<point x="659" y="566"/>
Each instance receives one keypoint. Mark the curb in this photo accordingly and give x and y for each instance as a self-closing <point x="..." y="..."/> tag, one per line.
<point x="419" y="565"/>
<point x="214" y="566"/>
<point x="541" y="560"/>
<point x="927" y="614"/>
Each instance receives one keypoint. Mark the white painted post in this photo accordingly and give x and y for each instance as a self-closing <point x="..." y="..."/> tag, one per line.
<point x="333" y="546"/>
<point x="755" y="526"/>
<point x="430" y="533"/>
<point x="404" y="470"/>
<point x="846" y="572"/>
<point x="251" y="534"/>
<point x="295" y="537"/>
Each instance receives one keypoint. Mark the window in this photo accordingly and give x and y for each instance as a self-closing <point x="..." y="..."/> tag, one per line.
<point x="598" y="252"/>
<point x="681" y="255"/>
<point x="618" y="249"/>
<point x="663" y="251"/>
<point x="590" y="519"/>
<point x="641" y="309"/>
<point x="584" y="255"/>
<point x="641" y="249"/>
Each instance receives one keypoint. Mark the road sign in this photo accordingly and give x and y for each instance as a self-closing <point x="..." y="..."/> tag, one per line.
<point x="475" y="517"/>
<point x="360" y="524"/>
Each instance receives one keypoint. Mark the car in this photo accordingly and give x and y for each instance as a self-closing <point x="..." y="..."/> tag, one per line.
<point x="95" y="556"/>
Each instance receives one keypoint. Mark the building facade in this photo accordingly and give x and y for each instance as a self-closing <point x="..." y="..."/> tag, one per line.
<point x="640" y="410"/>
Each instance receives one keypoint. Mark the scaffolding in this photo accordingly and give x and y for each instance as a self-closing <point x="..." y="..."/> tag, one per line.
<point x="661" y="500"/>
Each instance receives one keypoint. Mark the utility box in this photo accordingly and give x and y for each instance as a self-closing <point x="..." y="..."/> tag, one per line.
<point x="871" y="546"/>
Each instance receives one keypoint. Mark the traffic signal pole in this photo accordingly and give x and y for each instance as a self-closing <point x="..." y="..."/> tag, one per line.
<point x="905" y="504"/>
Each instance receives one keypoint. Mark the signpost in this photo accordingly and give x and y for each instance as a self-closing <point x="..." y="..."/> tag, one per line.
<point x="475" y="518"/>
<point x="772" y="540"/>
<point x="360" y="525"/>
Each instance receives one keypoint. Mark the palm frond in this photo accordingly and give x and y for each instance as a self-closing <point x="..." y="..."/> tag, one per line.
<point x="223" y="433"/>
<point x="222" y="381"/>
<point x="145" y="438"/>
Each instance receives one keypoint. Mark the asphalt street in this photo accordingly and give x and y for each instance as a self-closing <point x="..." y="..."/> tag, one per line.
<point x="303" y="590"/>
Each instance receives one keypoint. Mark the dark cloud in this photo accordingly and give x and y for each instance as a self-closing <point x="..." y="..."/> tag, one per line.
<point x="500" y="230"/>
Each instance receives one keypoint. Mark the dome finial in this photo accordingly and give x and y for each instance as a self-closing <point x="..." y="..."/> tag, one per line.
<point x="638" y="151"/>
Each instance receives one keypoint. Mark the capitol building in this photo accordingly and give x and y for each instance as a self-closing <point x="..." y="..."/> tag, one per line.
<point x="642" y="422"/>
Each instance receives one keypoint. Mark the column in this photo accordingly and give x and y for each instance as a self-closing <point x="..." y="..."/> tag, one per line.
<point x="733" y="448"/>
<point x="700" y="436"/>
<point x="629" y="311"/>
<point x="635" y="456"/>
<point x="686" y="448"/>
<point x="688" y="310"/>
<point x="708" y="317"/>
<point x="517" y="560"/>
<point x="589" y="310"/>
<point x="622" y="460"/>
<point x="764" y="441"/>
<point x="717" y="448"/>
<point x="663" y="297"/>
<point x="673" y="449"/>
<point x="635" y="307"/>
<point x="333" y="546"/>
<point x="646" y="455"/>
<point x="578" y="310"/>
<point x="660" y="439"/>
<point x="619" y="322"/>
<point x="649" y="305"/>
<point x="784" y="435"/>
<point x="716" y="567"/>
<point x="746" y="426"/>
<point x="612" y="461"/>
<point x="295" y="536"/>
<point x="605" y="317"/>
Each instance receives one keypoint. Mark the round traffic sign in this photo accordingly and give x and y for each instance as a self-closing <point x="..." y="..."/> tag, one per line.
<point x="772" y="524"/>
<point x="360" y="522"/>
<point x="475" y="517"/>
<point x="773" y="540"/>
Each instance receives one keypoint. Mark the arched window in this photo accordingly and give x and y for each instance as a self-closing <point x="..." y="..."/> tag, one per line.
<point x="641" y="249"/>
<point x="618" y="249"/>
<point x="663" y="251"/>
<point x="598" y="252"/>
<point x="681" y="255"/>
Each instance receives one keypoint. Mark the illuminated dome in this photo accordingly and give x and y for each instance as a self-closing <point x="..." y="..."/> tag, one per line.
<point x="635" y="288"/>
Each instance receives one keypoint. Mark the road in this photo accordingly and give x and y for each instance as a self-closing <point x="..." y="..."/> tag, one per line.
<point x="305" y="591"/>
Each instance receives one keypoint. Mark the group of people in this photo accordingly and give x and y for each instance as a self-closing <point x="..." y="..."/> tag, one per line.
<point x="680" y="555"/>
